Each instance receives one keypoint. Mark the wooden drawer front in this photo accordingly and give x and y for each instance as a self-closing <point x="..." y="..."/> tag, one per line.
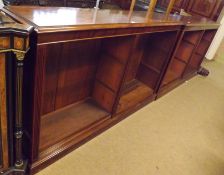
<point x="204" y="8"/>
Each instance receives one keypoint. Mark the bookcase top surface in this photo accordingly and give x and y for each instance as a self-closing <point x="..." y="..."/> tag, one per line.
<point x="66" y="18"/>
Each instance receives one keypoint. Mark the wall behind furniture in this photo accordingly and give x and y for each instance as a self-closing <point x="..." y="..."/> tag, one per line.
<point x="217" y="40"/>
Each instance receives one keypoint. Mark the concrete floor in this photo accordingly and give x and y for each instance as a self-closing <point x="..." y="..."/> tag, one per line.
<point x="179" y="134"/>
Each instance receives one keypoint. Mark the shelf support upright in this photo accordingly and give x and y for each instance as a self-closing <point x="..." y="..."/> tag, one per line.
<point x="170" y="7"/>
<point x="151" y="9"/>
<point x="132" y="6"/>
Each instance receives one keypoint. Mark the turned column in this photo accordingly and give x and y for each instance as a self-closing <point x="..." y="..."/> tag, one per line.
<point x="18" y="134"/>
<point x="19" y="45"/>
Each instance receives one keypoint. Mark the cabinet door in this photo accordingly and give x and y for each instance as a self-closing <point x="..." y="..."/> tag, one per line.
<point x="205" y="8"/>
<point x="3" y="116"/>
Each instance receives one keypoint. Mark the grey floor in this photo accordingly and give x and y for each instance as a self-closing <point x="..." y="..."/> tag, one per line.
<point x="179" y="134"/>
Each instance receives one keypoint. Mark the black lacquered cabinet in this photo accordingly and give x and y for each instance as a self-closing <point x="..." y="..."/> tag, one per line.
<point x="14" y="44"/>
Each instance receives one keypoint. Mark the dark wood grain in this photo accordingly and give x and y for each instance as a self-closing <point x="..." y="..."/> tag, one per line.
<point x="3" y="115"/>
<point x="68" y="121"/>
<point x="206" y="8"/>
<point x="184" y="52"/>
<point x="147" y="76"/>
<point x="76" y="71"/>
<point x="187" y="58"/>
<point x="38" y="84"/>
<point x="51" y="75"/>
<point x="174" y="72"/>
<point x="110" y="72"/>
<point x="151" y="54"/>
<point x="203" y="8"/>
<point x="134" y="97"/>
<point x="103" y="96"/>
<point x="135" y="59"/>
<point x="200" y="52"/>
<point x="69" y="80"/>
<point x="192" y="37"/>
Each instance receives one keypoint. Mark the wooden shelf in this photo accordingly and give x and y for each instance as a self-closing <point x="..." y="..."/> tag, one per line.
<point x="206" y="40"/>
<point x="203" y="47"/>
<point x="130" y="86"/>
<point x="209" y="35"/>
<point x="192" y="37"/>
<point x="151" y="67"/>
<point x="180" y="60"/>
<point x="184" y="51"/>
<point x="170" y="76"/>
<point x="189" y="42"/>
<point x="190" y="70"/>
<point x="69" y="120"/>
<point x="132" y="98"/>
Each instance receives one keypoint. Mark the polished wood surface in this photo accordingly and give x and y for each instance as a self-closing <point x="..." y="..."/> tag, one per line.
<point x="49" y="19"/>
<point x="59" y="16"/>
<point x="4" y="157"/>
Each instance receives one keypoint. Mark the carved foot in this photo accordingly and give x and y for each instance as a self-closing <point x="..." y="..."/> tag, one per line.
<point x="203" y="72"/>
<point x="14" y="170"/>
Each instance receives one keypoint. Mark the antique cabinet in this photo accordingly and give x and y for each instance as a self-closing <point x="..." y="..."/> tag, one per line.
<point x="14" y="43"/>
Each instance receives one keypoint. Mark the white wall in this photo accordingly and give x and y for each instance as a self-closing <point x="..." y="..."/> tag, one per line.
<point x="1" y="3"/>
<point x="217" y="40"/>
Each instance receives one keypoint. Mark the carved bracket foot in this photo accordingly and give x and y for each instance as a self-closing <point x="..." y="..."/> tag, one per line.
<point x="14" y="170"/>
<point x="203" y="72"/>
